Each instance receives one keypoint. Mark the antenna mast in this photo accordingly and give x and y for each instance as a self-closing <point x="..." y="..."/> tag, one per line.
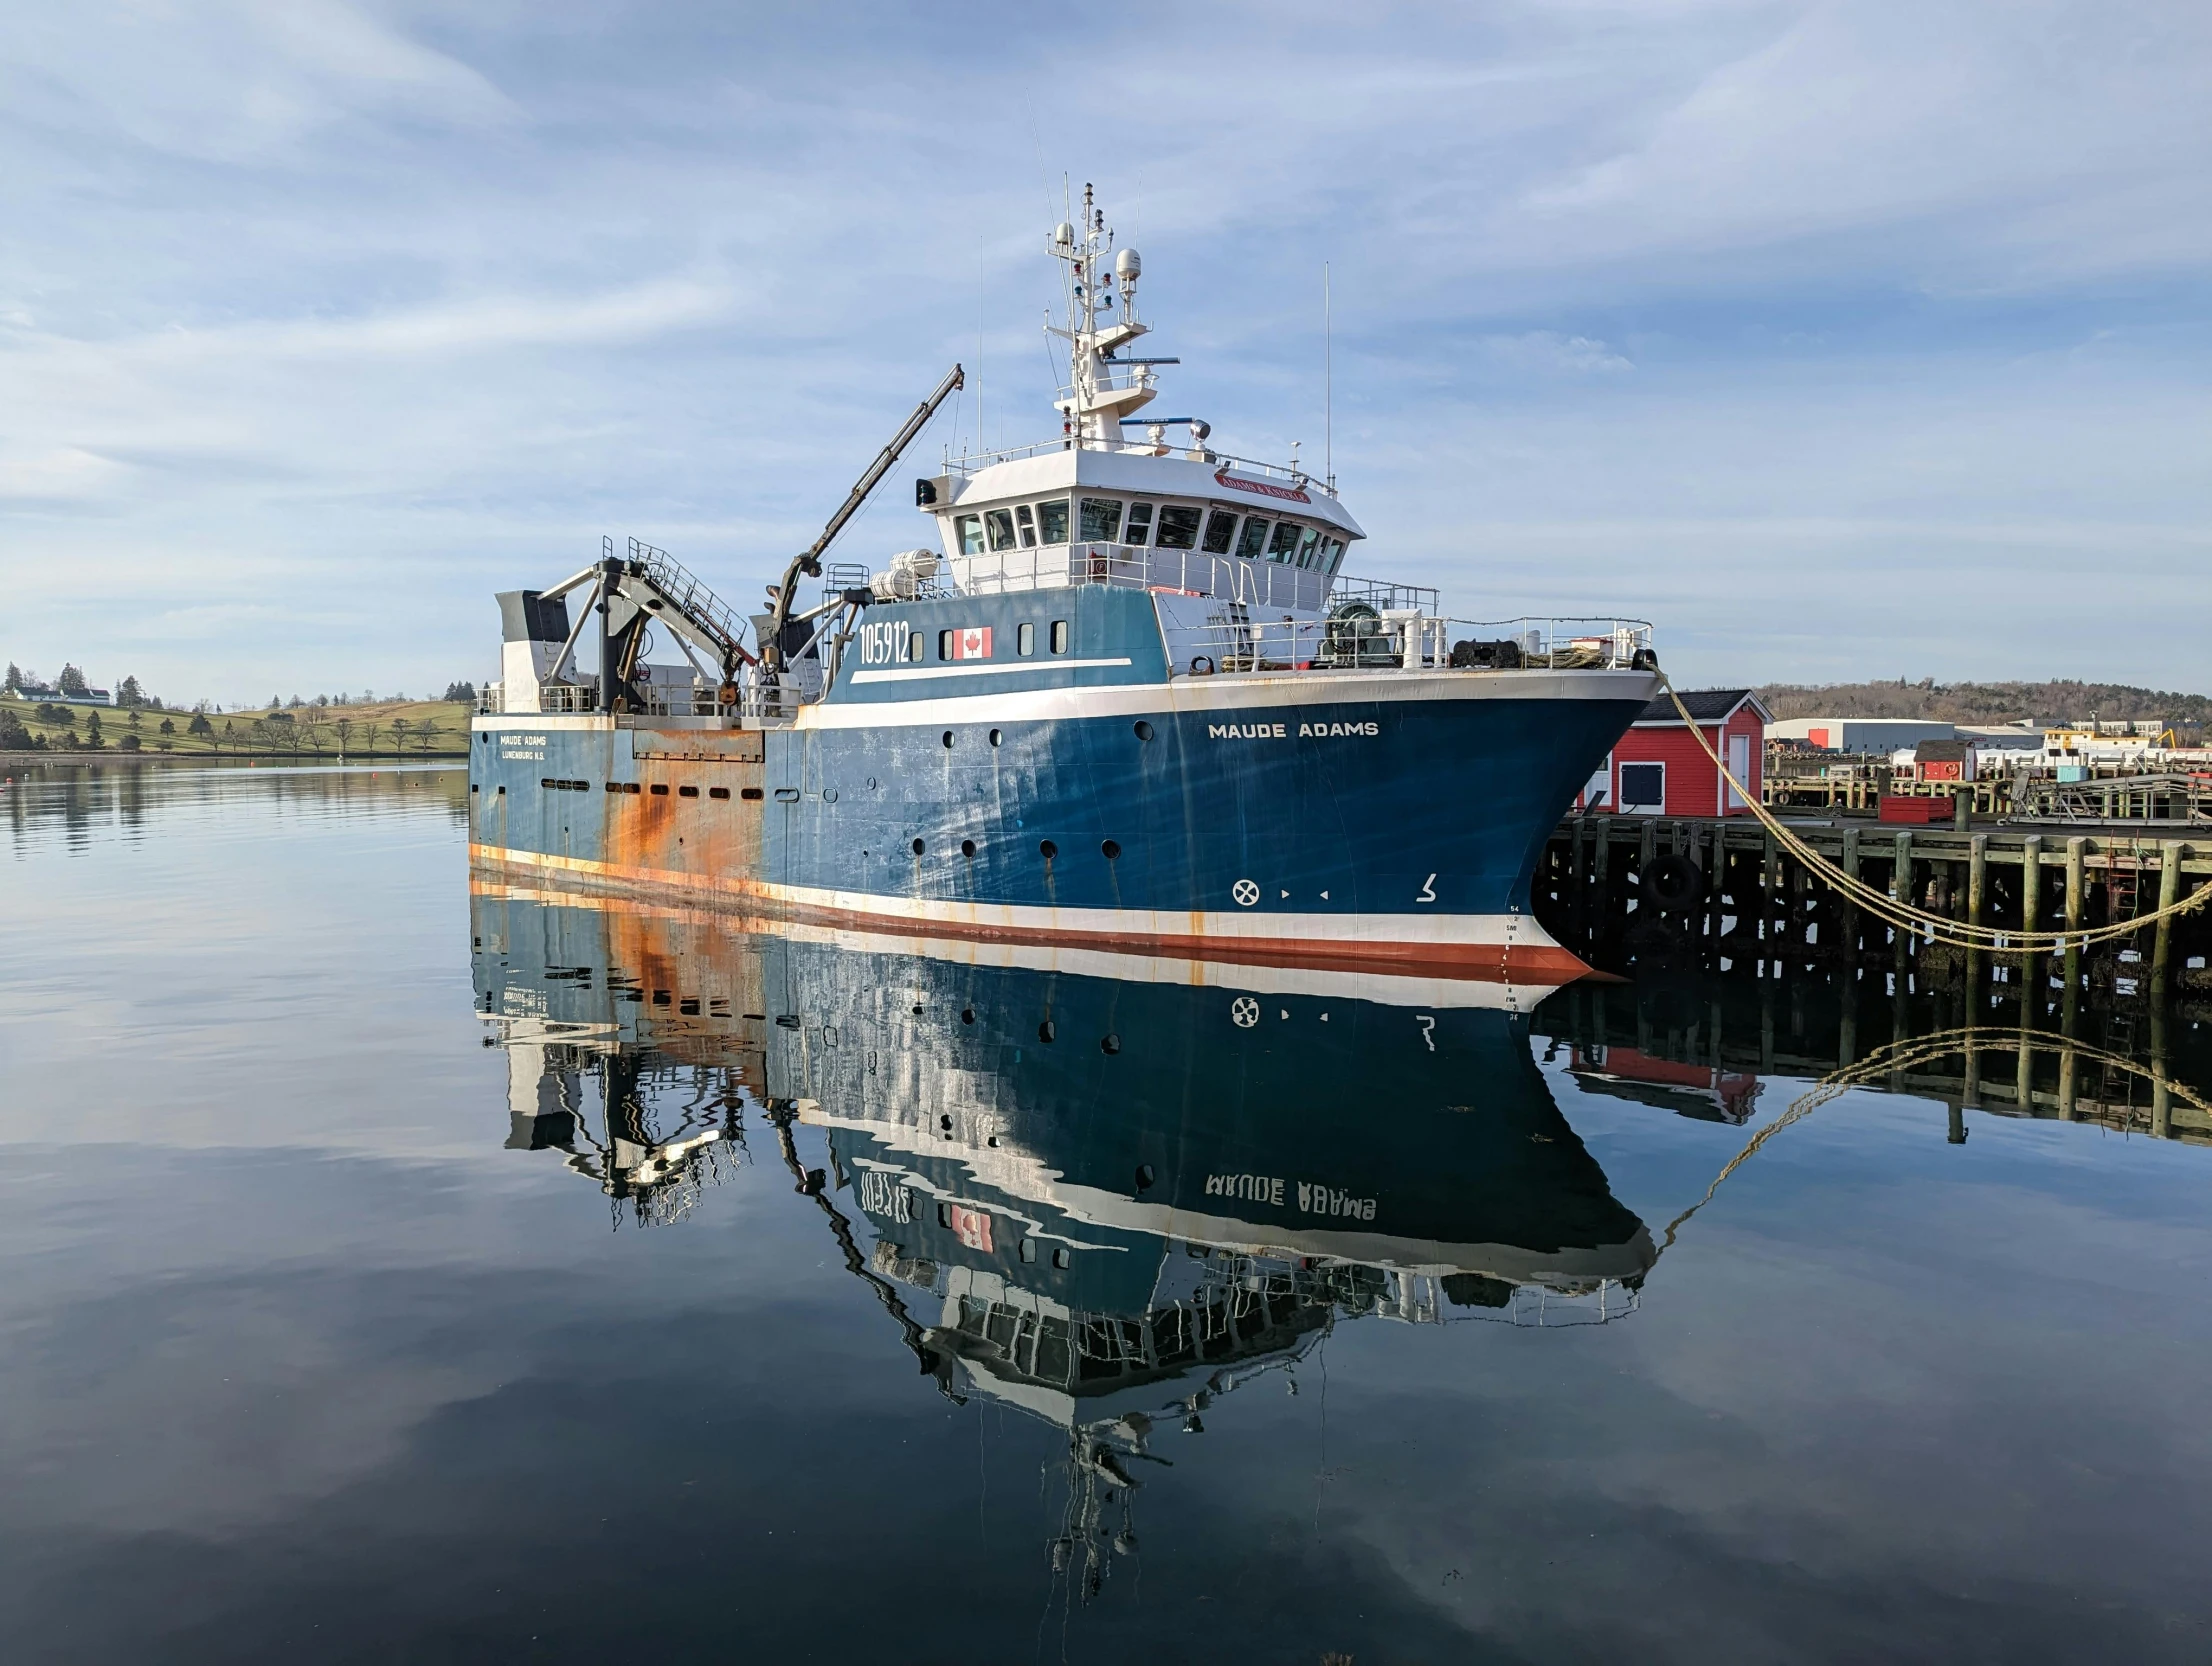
<point x="1328" y="386"/>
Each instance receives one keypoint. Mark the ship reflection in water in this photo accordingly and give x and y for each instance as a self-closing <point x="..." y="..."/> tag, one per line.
<point x="1106" y="1196"/>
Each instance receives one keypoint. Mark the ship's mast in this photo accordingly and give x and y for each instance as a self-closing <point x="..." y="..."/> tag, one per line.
<point x="1102" y="319"/>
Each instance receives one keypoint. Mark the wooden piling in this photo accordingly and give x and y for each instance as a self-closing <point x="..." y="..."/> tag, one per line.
<point x="2162" y="1100"/>
<point x="1847" y="911"/>
<point x="2169" y="893"/>
<point x="1977" y="890"/>
<point x="2077" y="850"/>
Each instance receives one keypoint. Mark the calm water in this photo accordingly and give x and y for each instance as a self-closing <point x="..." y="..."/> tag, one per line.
<point x="401" y="1274"/>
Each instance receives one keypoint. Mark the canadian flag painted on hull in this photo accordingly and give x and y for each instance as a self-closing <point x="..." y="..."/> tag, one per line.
<point x="972" y="643"/>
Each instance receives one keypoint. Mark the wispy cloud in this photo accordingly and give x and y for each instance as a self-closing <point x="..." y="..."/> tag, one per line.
<point x="1708" y="310"/>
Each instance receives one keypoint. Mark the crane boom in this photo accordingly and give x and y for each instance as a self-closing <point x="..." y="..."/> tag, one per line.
<point x="809" y="561"/>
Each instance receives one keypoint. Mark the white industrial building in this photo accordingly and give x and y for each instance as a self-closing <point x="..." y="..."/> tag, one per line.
<point x="1878" y="735"/>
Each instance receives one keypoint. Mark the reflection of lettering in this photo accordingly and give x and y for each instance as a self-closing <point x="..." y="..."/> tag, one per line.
<point x="971" y="1226"/>
<point x="1317" y="1199"/>
<point x="1252" y="1188"/>
<point x="885" y="1196"/>
<point x="1428" y="1029"/>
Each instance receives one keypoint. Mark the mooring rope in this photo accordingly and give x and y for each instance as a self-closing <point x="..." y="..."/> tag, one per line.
<point x="1903" y="1055"/>
<point x="1902" y="914"/>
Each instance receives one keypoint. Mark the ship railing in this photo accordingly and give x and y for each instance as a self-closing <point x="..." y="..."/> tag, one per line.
<point x="567" y="697"/>
<point x="1405" y="639"/>
<point x="1264" y="584"/>
<point x="491" y="699"/>
<point x="1121" y="379"/>
<point x="682" y="587"/>
<point x="975" y="462"/>
<point x="767" y="704"/>
<point x="1254" y="583"/>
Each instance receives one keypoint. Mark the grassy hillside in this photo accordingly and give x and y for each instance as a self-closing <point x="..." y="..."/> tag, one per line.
<point x="383" y="729"/>
<point x="1984" y="702"/>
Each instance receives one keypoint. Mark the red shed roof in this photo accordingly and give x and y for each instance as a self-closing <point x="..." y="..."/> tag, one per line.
<point x="1707" y="705"/>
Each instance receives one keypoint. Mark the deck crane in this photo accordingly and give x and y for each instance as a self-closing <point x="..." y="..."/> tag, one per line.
<point x="808" y="563"/>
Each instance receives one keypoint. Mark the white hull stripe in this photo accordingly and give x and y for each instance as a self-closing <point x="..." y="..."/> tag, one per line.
<point x="1374" y="986"/>
<point x="1231" y="693"/>
<point x="922" y="673"/>
<point x="1497" y="945"/>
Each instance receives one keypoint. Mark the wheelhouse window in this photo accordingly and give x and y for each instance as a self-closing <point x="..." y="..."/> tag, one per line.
<point x="1052" y="521"/>
<point x="967" y="532"/>
<point x="1332" y="553"/>
<point x="1221" y="531"/>
<point x="1283" y="543"/>
<point x="1308" y="542"/>
<point x="1253" y="543"/>
<point x="1140" y="524"/>
<point x="1025" y="639"/>
<point x="1098" y="520"/>
<point x="1027" y="526"/>
<point x="1059" y="636"/>
<point x="1001" y="523"/>
<point x="1178" y="527"/>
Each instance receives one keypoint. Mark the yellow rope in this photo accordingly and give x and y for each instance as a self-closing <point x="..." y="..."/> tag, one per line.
<point x="1903" y="1055"/>
<point x="1903" y="914"/>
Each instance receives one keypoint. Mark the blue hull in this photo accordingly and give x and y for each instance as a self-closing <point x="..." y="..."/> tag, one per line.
<point x="1354" y="818"/>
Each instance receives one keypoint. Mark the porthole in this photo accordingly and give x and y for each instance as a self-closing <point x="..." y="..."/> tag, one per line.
<point x="1059" y="636"/>
<point x="967" y="847"/>
<point x="948" y="738"/>
<point x="1111" y="1043"/>
<point x="660" y="789"/>
<point x="687" y="792"/>
<point x="967" y="1015"/>
<point x="919" y="847"/>
<point x="742" y="792"/>
<point x="1109" y="849"/>
<point x="1047" y="849"/>
<point x="1146" y="1177"/>
<point x="1144" y="729"/>
<point x="724" y="792"/>
<point x="994" y="737"/>
<point x="1045" y="1031"/>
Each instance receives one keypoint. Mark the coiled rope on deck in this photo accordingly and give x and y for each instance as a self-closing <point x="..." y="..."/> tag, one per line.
<point x="1917" y="1050"/>
<point x="1902" y="914"/>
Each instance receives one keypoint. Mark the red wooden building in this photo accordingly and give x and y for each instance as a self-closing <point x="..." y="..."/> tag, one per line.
<point x="1658" y="769"/>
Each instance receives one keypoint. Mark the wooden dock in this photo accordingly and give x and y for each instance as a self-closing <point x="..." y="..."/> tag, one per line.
<point x="1724" y="892"/>
<point x="1701" y="1046"/>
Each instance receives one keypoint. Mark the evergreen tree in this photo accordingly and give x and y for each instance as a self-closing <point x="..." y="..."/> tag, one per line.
<point x="14" y="683"/>
<point x="92" y="732"/>
<point x="71" y="681"/>
<point x="199" y="725"/>
<point x="130" y="694"/>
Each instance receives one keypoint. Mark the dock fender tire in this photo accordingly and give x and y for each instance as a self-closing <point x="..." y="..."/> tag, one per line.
<point x="1672" y="882"/>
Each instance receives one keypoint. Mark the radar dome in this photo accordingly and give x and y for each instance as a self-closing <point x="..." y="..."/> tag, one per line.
<point x="1128" y="266"/>
<point x="1063" y="234"/>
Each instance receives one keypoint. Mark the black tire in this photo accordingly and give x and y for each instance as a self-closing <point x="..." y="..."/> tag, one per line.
<point x="1671" y="883"/>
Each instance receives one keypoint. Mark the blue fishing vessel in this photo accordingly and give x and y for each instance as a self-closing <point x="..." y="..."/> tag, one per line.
<point x="1132" y="697"/>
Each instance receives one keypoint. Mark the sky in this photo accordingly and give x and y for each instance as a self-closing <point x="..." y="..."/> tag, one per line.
<point x="1839" y="341"/>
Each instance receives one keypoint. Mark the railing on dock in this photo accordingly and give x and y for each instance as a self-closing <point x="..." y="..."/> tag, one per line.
<point x="1233" y="641"/>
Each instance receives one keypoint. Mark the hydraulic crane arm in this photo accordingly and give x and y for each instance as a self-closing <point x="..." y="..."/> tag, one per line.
<point x="809" y="561"/>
